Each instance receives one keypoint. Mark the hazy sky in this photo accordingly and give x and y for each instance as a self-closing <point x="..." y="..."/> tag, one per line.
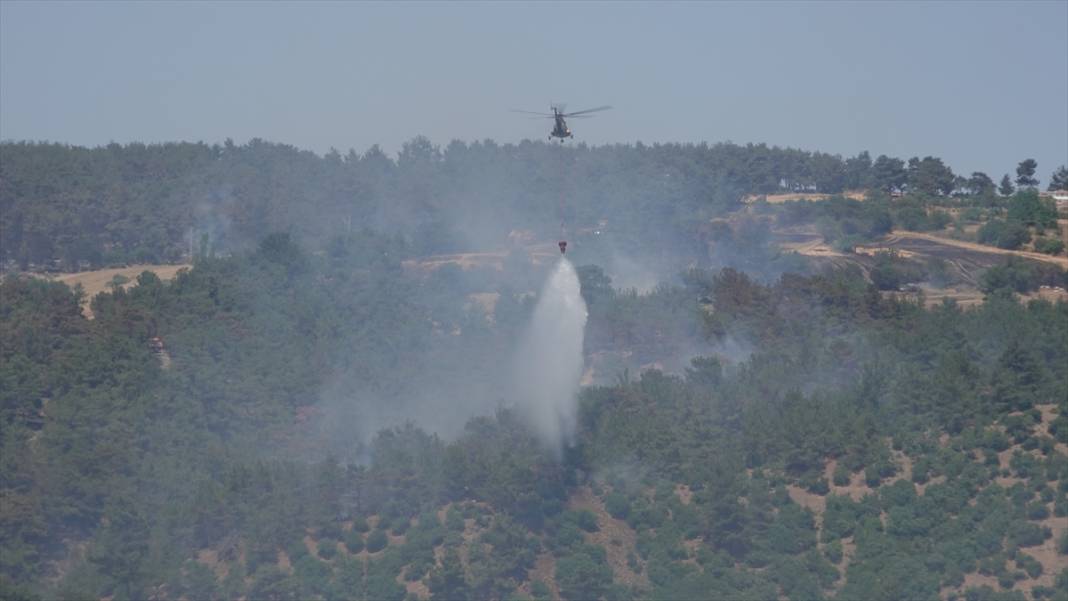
<point x="982" y="85"/>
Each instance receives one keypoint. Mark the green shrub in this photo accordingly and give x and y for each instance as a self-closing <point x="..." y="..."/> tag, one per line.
<point x="327" y="548"/>
<point x="1026" y="534"/>
<point x="1010" y="235"/>
<point x="565" y="537"/>
<point x="353" y="541"/>
<point x="418" y="568"/>
<point x="383" y="586"/>
<point x="1019" y="427"/>
<point x="260" y="555"/>
<point x="400" y="526"/>
<point x="540" y="590"/>
<point x="296" y="549"/>
<point x="871" y="476"/>
<point x="360" y="524"/>
<point x="1037" y="511"/>
<point x="1046" y="445"/>
<point x="377" y="540"/>
<point x="890" y="271"/>
<point x="833" y="551"/>
<point x="584" y="574"/>
<point x="921" y="470"/>
<point x="198" y="582"/>
<point x="1029" y="564"/>
<point x="645" y="514"/>
<point x="1026" y="206"/>
<point x="617" y="505"/>
<point x="1014" y="274"/>
<point x="938" y="220"/>
<point x="1049" y="246"/>
<point x="818" y="486"/>
<point x="312" y="575"/>
<point x="331" y="530"/>
<point x="995" y="440"/>
<point x="454" y="520"/>
<point x="385" y="522"/>
<point x="585" y="519"/>
<point x="841" y="475"/>
<point x="900" y="493"/>
<point x="269" y="582"/>
<point x="953" y="577"/>
<point x="1043" y="592"/>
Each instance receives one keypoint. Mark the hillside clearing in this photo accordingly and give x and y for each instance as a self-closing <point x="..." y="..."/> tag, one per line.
<point x="95" y="282"/>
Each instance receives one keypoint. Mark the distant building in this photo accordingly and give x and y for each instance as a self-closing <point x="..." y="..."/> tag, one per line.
<point x="1059" y="196"/>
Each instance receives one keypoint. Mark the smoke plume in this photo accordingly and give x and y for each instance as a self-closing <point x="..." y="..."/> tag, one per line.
<point x="549" y="360"/>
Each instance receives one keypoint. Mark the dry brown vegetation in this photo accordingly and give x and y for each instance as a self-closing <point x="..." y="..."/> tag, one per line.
<point x="95" y="282"/>
<point x="537" y="253"/>
<point x="815" y="196"/>
<point x="544" y="570"/>
<point x="616" y="536"/>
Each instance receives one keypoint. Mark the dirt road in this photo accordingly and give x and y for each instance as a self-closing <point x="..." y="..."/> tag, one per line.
<point x="967" y="259"/>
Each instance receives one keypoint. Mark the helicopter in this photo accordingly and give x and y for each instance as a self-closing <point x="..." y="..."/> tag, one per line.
<point x="560" y="128"/>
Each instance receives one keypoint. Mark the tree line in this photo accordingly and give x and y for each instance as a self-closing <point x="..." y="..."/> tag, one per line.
<point x="67" y="207"/>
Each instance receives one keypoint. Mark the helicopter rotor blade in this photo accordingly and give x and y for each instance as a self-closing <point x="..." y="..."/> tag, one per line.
<point x="593" y="110"/>
<point x="531" y="113"/>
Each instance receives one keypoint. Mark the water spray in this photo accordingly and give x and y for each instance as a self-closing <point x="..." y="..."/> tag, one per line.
<point x="549" y="363"/>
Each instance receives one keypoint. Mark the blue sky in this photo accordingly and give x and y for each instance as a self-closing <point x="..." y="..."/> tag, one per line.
<point x="982" y="85"/>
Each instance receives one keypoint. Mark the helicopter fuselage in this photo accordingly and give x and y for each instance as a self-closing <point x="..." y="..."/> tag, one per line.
<point x="560" y="130"/>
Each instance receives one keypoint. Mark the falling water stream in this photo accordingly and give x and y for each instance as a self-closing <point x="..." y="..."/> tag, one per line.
<point x="550" y="362"/>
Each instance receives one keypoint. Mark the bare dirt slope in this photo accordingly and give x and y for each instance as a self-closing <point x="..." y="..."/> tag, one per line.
<point x="464" y="261"/>
<point x="814" y="196"/>
<point x="616" y="537"/>
<point x="491" y="259"/>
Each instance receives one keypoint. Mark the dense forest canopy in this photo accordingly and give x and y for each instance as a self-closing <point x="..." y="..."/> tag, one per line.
<point x="321" y="420"/>
<point x="78" y="207"/>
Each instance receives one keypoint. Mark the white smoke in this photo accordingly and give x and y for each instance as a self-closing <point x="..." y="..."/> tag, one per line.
<point x="549" y="361"/>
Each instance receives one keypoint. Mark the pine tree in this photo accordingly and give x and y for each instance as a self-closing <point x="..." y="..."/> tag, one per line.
<point x="1006" y="188"/>
<point x="1025" y="173"/>
<point x="121" y="546"/>
<point x="1059" y="179"/>
<point x="980" y="184"/>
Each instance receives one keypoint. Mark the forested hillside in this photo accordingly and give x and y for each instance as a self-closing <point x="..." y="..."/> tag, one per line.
<point x="71" y="208"/>
<point x="301" y="416"/>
